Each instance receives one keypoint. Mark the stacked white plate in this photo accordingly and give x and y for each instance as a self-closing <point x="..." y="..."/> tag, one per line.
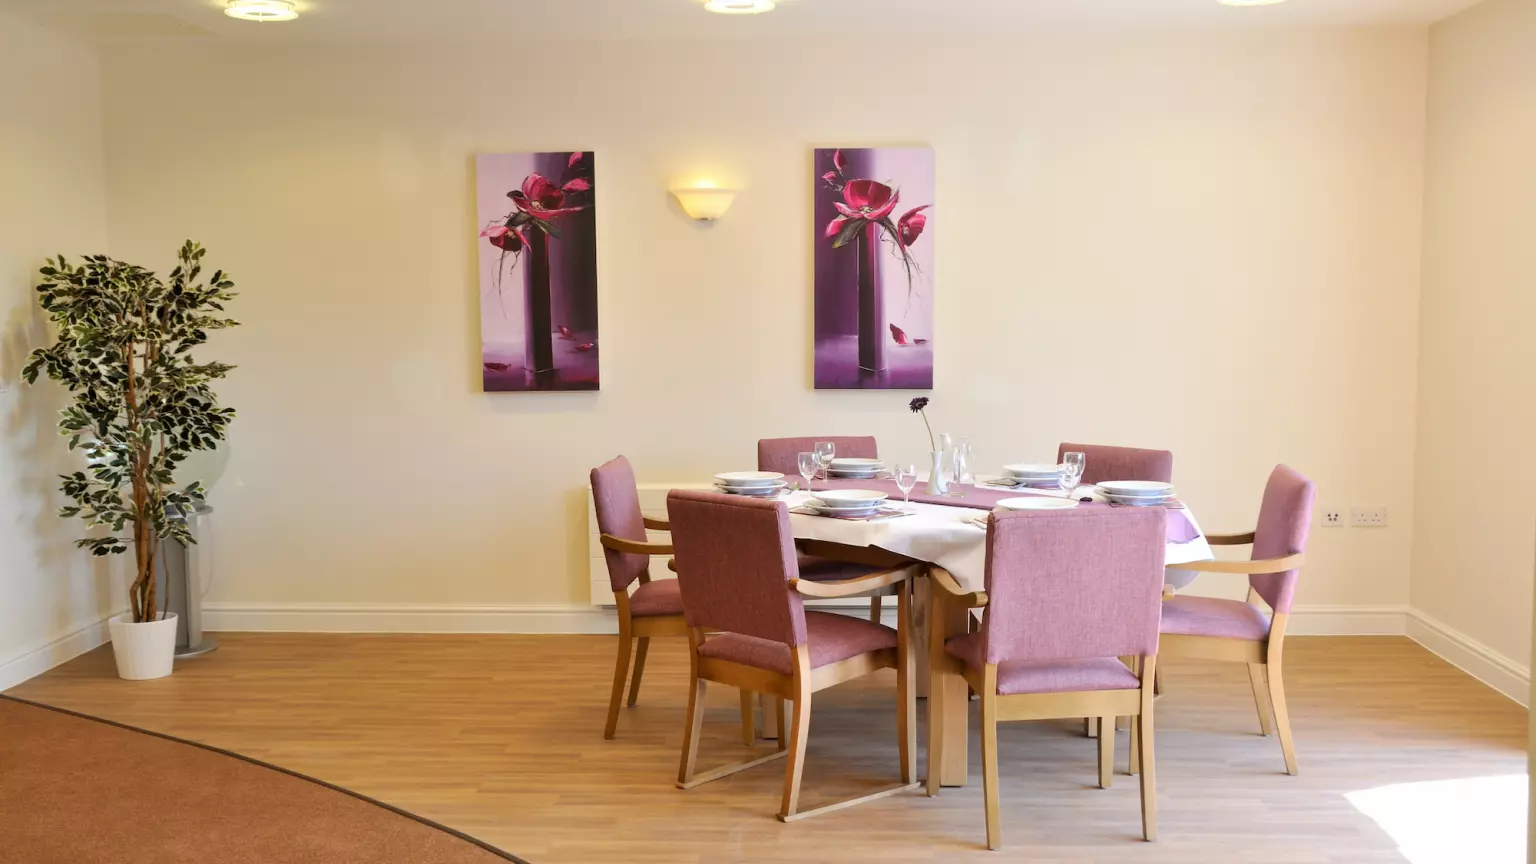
<point x="851" y="468"/>
<point x="1034" y="476"/>
<point x="753" y="484"/>
<point x="847" y="502"/>
<point x="1037" y="502"/>
<point x="1136" y="493"/>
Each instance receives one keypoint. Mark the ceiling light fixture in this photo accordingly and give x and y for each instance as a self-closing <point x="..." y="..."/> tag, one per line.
<point x="1249" y="2"/>
<point x="261" y="10"/>
<point x="739" y="7"/>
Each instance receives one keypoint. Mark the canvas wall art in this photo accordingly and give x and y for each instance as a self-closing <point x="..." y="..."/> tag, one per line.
<point x="874" y="268"/>
<point x="538" y="271"/>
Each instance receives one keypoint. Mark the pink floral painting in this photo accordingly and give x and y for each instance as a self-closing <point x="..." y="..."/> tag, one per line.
<point x="874" y="268"/>
<point x="537" y="255"/>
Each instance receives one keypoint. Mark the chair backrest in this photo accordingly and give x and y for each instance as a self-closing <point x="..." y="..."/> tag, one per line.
<point x="1121" y="463"/>
<point x="735" y="557"/>
<point x="1074" y="584"/>
<point x="1285" y="519"/>
<point x="780" y="454"/>
<point x="617" y="502"/>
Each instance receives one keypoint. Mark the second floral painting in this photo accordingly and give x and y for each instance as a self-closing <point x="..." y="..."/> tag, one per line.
<point x="538" y="271"/>
<point x="874" y="268"/>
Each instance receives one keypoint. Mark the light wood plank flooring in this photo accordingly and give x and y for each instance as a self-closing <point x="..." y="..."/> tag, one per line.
<point x="501" y="736"/>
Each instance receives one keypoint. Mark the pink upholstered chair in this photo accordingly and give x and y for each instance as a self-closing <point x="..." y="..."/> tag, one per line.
<point x="1238" y="631"/>
<point x="655" y="608"/>
<point x="1103" y="462"/>
<point x="1068" y="593"/>
<point x="738" y="571"/>
<point x="782" y="455"/>
<point x="1121" y="463"/>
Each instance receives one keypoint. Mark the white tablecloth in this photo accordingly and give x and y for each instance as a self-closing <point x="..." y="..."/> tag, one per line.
<point x="942" y="535"/>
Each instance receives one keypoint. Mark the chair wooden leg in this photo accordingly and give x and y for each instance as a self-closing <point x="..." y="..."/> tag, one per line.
<point x="1282" y="714"/>
<point x="906" y="684"/>
<point x="620" y="672"/>
<point x="779" y="726"/>
<point x="694" y="728"/>
<point x="1106" y="756"/>
<point x="1091" y="727"/>
<point x="989" y="759"/>
<point x="748" y="718"/>
<point x="794" y="767"/>
<point x="1135" y="765"/>
<point x="1256" y="677"/>
<point x="874" y="609"/>
<point x="634" y="682"/>
<point x="1144" y="732"/>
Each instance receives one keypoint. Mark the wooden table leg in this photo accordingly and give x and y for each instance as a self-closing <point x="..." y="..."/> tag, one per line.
<point x="954" y="701"/>
<point x="921" y="594"/>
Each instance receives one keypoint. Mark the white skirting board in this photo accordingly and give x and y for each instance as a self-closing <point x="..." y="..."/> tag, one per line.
<point x="1507" y="676"/>
<point x="362" y="618"/>
<point x="1480" y="661"/>
<point x="36" y="661"/>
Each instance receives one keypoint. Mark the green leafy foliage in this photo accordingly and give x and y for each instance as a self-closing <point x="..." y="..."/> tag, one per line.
<point x="141" y="403"/>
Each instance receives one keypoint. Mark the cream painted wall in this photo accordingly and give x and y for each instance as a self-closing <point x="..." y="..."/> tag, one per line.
<point x="52" y="597"/>
<point x="1245" y="206"/>
<point x="1472" y="560"/>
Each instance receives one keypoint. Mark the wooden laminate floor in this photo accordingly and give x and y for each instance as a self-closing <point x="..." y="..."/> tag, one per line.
<point x="501" y="737"/>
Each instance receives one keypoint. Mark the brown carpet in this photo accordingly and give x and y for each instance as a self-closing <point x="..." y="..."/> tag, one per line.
<point x="82" y="790"/>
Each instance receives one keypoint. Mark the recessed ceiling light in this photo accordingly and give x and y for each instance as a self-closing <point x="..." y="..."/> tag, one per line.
<point x="739" y="7"/>
<point x="261" y="10"/>
<point x="1249" y="2"/>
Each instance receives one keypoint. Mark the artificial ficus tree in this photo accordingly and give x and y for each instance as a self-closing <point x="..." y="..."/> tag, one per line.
<point x="141" y="403"/>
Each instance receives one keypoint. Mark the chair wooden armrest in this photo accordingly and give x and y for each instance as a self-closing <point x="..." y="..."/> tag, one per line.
<point x="945" y="581"/>
<point x="655" y="524"/>
<point x="849" y="587"/>
<point x="1263" y="565"/>
<point x="619" y="544"/>
<point x="1230" y="539"/>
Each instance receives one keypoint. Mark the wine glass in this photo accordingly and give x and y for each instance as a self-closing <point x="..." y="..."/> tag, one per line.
<point x="1072" y="471"/>
<point x="906" y="479"/>
<point x="825" y="450"/>
<point x="807" y="463"/>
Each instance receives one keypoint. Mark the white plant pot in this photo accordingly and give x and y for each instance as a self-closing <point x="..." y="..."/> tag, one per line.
<point x="145" y="650"/>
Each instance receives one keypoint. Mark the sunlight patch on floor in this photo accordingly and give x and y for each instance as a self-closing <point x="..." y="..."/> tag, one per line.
<point x="1478" y="819"/>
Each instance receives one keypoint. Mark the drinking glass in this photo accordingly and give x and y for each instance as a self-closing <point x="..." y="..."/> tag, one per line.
<point x="807" y="463"/>
<point x="825" y="450"/>
<point x="961" y="459"/>
<point x="906" y="479"/>
<point x="1072" y="471"/>
<point x="1076" y="461"/>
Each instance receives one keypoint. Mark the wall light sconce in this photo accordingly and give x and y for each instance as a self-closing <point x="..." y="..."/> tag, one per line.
<point x="705" y="202"/>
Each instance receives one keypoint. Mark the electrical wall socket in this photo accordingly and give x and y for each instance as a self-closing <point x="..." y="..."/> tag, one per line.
<point x="1333" y="518"/>
<point x="1368" y="517"/>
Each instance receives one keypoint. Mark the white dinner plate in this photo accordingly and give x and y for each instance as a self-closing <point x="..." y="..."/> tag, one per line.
<point x="1032" y="470"/>
<point x="1037" y="502"/>
<point x="858" y="464"/>
<point x="850" y="497"/>
<point x="843" y="511"/>
<point x="752" y="491"/>
<point x="1136" y="501"/>
<point x="1132" y="488"/>
<point x="749" y="478"/>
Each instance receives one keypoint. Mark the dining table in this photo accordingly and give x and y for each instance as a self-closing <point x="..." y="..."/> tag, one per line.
<point x="948" y="530"/>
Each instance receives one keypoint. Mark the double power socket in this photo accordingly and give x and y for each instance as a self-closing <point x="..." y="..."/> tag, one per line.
<point x="1355" y="517"/>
